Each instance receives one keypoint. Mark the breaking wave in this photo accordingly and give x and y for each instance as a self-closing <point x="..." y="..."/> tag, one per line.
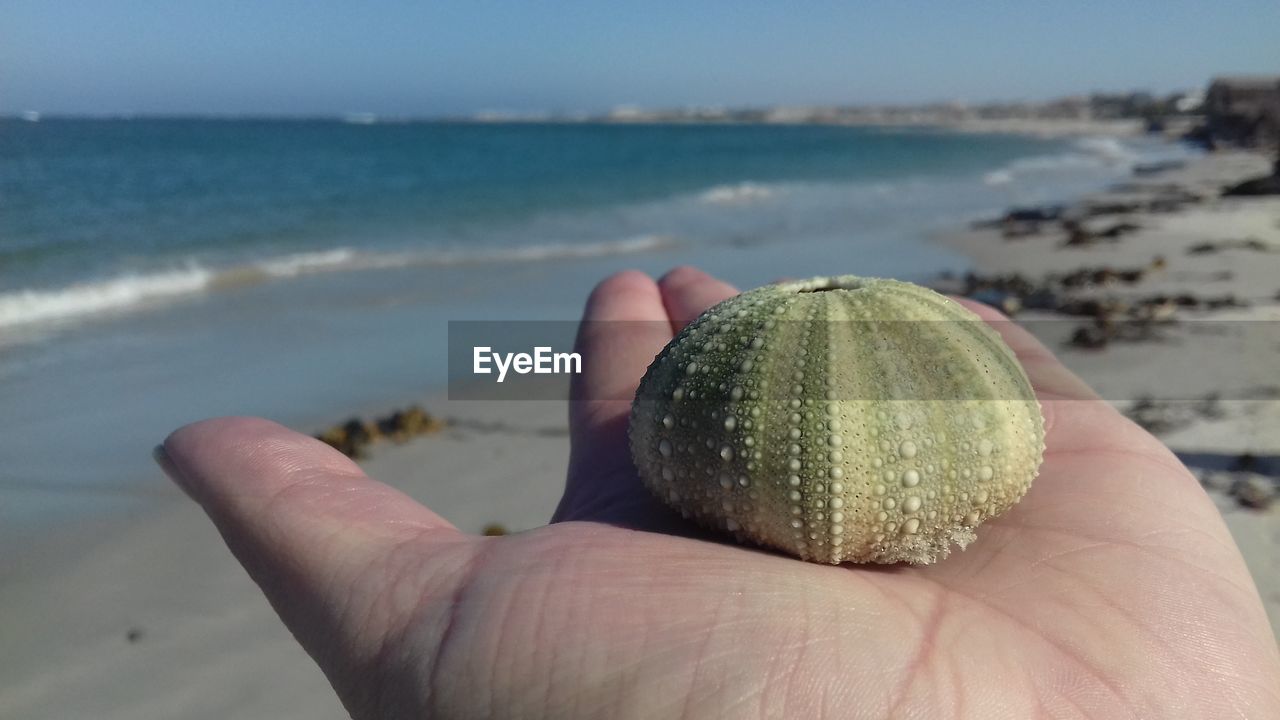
<point x="34" y="306"/>
<point x="1088" y="153"/>
<point x="998" y="177"/>
<point x="743" y="193"/>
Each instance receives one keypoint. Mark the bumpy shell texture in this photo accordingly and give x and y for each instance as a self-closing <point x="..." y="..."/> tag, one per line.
<point x="839" y="419"/>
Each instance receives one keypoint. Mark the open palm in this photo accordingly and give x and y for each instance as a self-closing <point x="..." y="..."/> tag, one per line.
<point x="1112" y="590"/>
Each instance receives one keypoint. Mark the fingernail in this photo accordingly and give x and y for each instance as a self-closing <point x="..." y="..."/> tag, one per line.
<point x="161" y="456"/>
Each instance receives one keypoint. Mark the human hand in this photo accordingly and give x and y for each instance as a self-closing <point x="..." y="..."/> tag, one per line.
<point x="1112" y="590"/>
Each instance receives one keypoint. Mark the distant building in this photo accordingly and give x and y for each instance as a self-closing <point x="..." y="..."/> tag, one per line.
<point x="1244" y="110"/>
<point x="629" y="113"/>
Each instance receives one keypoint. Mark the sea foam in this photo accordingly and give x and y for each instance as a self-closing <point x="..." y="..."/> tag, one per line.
<point x="300" y="263"/>
<point x="743" y="193"/>
<point x="1088" y="153"/>
<point x="36" y="306"/>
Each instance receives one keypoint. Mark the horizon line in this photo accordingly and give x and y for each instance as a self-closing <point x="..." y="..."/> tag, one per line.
<point x="684" y="112"/>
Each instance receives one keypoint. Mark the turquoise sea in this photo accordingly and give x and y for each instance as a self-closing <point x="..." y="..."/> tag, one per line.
<point x="154" y="272"/>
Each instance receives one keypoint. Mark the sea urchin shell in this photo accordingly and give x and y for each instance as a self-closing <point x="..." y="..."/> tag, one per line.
<point x="839" y="419"/>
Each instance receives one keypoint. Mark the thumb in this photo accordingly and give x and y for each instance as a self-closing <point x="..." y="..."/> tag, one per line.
<point x="333" y="550"/>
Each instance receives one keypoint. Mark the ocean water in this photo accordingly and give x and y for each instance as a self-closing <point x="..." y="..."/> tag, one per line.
<point x="154" y="272"/>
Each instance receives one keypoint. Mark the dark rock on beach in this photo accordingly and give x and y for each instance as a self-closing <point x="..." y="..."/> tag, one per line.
<point x="1114" y="207"/>
<point x="349" y="438"/>
<point x="1160" y="417"/>
<point x="1253" y="491"/>
<point x="406" y="424"/>
<point x="353" y="437"/>
<point x="1157" y="167"/>
<point x="1253" y="187"/>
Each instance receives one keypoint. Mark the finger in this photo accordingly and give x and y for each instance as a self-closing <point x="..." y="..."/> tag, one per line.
<point x="603" y="484"/>
<point x="307" y="524"/>
<point x="687" y="293"/>
<point x="1050" y="378"/>
<point x="624" y="326"/>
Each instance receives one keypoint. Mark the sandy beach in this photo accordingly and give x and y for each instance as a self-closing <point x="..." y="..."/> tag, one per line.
<point x="1216" y="389"/>
<point x="150" y="616"/>
<point x="154" y="619"/>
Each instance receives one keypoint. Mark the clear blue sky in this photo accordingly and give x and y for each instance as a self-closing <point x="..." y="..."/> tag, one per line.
<point x="460" y="56"/>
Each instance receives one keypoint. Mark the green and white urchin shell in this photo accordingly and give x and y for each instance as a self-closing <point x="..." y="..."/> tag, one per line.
<point x="839" y="419"/>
